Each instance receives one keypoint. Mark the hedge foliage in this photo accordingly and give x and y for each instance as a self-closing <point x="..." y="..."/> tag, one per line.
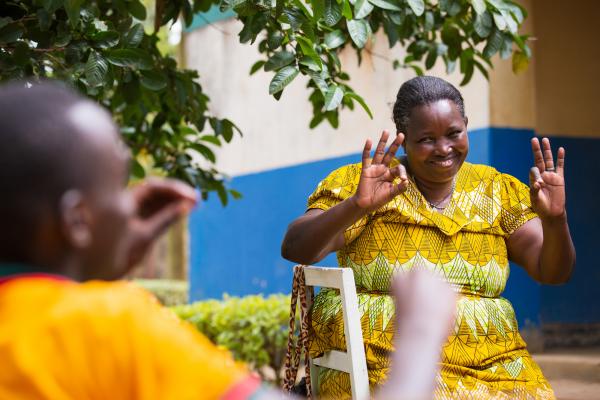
<point x="254" y="328"/>
<point x="168" y="292"/>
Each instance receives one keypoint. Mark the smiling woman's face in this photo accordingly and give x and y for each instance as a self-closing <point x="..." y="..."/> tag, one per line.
<point x="436" y="141"/>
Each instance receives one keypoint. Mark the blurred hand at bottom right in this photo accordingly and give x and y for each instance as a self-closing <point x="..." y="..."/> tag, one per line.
<point x="425" y="311"/>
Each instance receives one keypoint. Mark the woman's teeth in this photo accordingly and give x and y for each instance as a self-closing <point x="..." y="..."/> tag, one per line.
<point x="443" y="163"/>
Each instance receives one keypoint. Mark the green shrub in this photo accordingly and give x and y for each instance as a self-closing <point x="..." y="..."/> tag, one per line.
<point x="253" y="328"/>
<point x="168" y="292"/>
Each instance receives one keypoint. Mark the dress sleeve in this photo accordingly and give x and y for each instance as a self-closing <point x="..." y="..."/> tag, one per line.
<point x="335" y="188"/>
<point x="516" y="204"/>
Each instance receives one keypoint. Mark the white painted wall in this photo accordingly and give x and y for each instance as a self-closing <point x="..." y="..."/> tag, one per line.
<point x="276" y="133"/>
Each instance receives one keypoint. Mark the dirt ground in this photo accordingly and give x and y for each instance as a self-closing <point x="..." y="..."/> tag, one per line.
<point x="573" y="373"/>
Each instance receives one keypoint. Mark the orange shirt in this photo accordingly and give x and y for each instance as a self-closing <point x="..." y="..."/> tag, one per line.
<point x="99" y="340"/>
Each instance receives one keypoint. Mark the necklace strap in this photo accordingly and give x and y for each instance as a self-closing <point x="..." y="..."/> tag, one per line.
<point x="436" y="205"/>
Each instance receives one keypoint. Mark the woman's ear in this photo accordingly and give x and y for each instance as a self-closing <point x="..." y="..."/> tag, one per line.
<point x="75" y="219"/>
<point x="466" y="121"/>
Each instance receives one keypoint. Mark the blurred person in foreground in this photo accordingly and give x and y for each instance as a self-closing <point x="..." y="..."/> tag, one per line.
<point x="71" y="228"/>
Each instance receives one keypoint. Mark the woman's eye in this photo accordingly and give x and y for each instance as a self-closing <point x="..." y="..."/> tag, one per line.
<point x="425" y="140"/>
<point x="455" y="134"/>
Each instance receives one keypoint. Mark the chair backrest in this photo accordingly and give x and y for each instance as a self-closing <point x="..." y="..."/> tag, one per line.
<point x="353" y="361"/>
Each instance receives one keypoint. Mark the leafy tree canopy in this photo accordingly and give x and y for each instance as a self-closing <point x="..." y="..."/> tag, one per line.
<point x="102" y="48"/>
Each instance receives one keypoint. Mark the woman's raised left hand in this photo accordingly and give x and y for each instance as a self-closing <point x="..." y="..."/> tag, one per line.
<point x="547" y="181"/>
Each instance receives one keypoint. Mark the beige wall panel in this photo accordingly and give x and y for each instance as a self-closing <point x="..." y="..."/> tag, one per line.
<point x="276" y="133"/>
<point x="512" y="96"/>
<point x="567" y="67"/>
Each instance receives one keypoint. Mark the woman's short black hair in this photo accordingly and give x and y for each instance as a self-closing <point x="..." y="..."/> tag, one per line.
<point x="420" y="91"/>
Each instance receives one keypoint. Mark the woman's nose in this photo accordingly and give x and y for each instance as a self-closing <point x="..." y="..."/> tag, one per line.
<point x="442" y="147"/>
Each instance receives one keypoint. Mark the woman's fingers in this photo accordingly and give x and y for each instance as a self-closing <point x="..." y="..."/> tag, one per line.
<point x="366" y="154"/>
<point x="535" y="179"/>
<point x="538" y="157"/>
<point x="391" y="153"/>
<point x="399" y="172"/>
<point x="548" y="159"/>
<point x="380" y="150"/>
<point x="560" y="162"/>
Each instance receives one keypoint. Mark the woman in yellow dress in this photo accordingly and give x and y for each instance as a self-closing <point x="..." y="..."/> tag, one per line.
<point x="432" y="210"/>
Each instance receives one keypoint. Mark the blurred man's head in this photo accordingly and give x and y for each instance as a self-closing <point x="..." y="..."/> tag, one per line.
<point x="63" y="171"/>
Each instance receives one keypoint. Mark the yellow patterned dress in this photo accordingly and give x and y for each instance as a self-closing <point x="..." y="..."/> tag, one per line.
<point x="485" y="356"/>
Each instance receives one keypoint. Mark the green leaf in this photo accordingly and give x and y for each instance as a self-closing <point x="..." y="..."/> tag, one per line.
<point x="333" y="118"/>
<point x="360" y="101"/>
<point x="386" y="5"/>
<point x="96" y="68"/>
<point x="5" y="21"/>
<point x="52" y="5"/>
<point x="333" y="97"/>
<point x="450" y="66"/>
<point x="44" y="19"/>
<point x="106" y="39"/>
<point x="153" y="80"/>
<point x="279" y="4"/>
<point x="137" y="9"/>
<point x="131" y="91"/>
<point x="483" y="24"/>
<point x="494" y="44"/>
<point x="479" y="6"/>
<point x="500" y="21"/>
<point x="137" y="170"/>
<point x="205" y="151"/>
<point x="517" y="12"/>
<point x="235" y="194"/>
<point x="130" y="58"/>
<point x="507" y="47"/>
<point x="520" y="62"/>
<point x="307" y="48"/>
<point x="318" y="8"/>
<point x="256" y="66"/>
<point x="279" y="60"/>
<point x="417" y="6"/>
<point x="333" y="13"/>
<point x="362" y="8"/>
<point x="319" y="81"/>
<point x="481" y="69"/>
<point x="223" y="127"/>
<point x="431" y="57"/>
<point x="359" y="31"/>
<point x="274" y="40"/>
<point x="451" y="35"/>
<point x="429" y="21"/>
<point x="73" y="8"/>
<point x="134" y="36"/>
<point x="282" y="78"/>
<point x="295" y="17"/>
<point x="452" y="7"/>
<point x="21" y="53"/>
<point x="469" y="69"/>
<point x="11" y="33"/>
<point x="311" y="64"/>
<point x="346" y="9"/>
<point x="334" y="39"/>
<point x="211" y="139"/>
<point x="511" y="22"/>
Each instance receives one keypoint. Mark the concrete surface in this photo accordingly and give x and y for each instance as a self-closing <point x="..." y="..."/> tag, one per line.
<point x="573" y="373"/>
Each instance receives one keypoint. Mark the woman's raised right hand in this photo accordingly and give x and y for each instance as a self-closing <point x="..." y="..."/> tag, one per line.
<point x="376" y="186"/>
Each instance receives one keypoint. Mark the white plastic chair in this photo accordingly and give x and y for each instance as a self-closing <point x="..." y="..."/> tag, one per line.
<point x="353" y="361"/>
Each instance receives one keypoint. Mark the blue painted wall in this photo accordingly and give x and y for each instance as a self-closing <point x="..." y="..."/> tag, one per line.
<point x="236" y="249"/>
<point x="579" y="300"/>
